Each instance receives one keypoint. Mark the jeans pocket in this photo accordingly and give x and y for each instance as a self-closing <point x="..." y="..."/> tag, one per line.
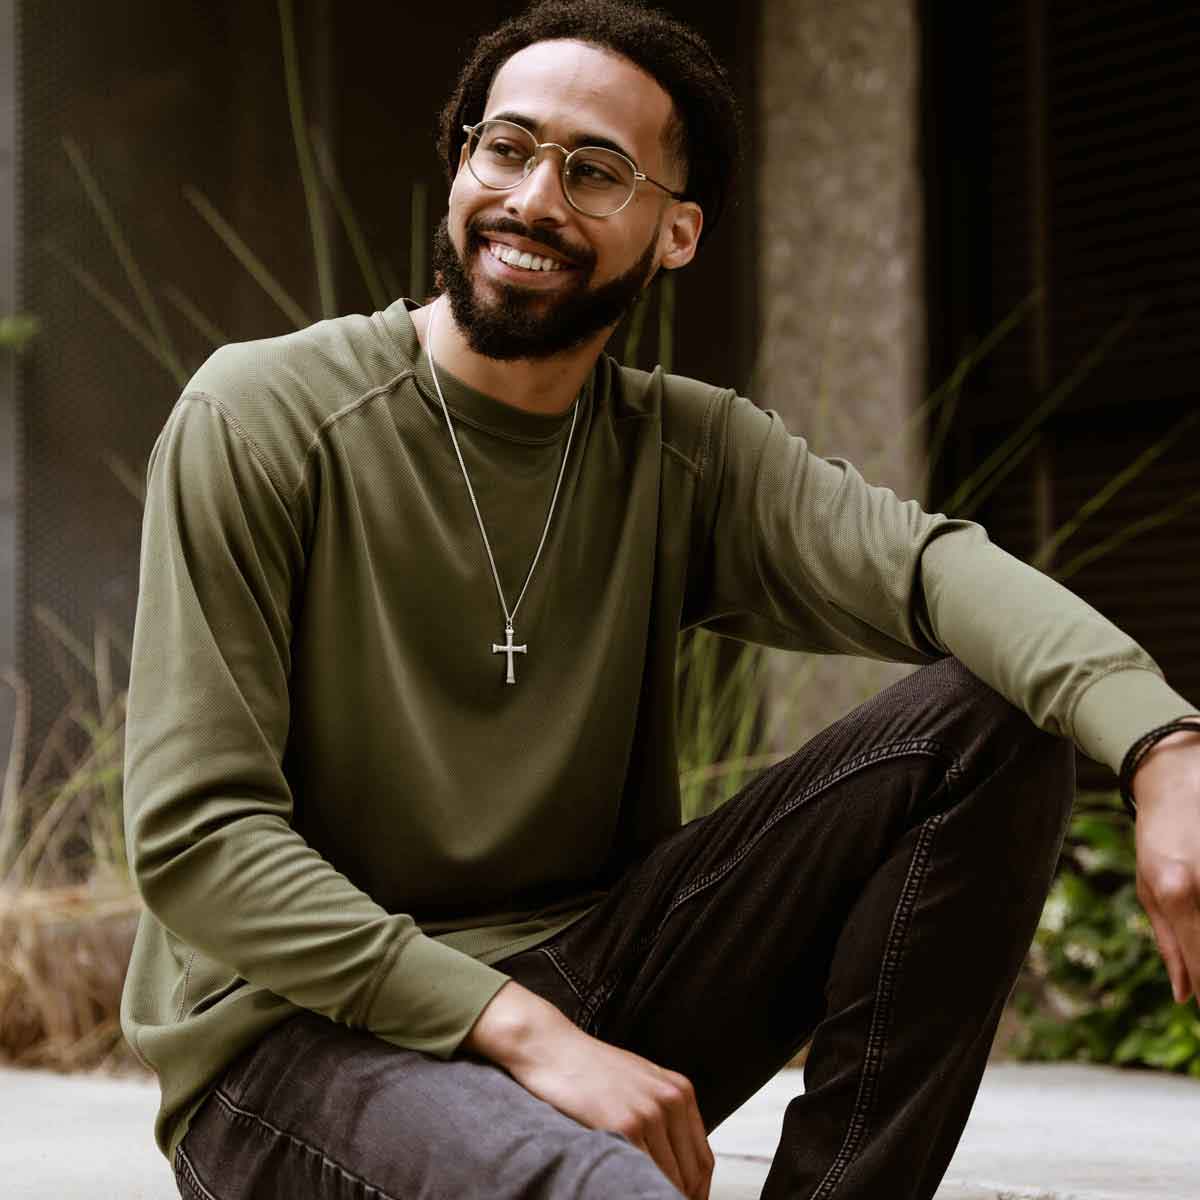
<point x="543" y="971"/>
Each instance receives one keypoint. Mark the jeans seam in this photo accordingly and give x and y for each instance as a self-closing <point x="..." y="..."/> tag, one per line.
<point x="889" y="968"/>
<point x="186" y="1176"/>
<point x="924" y="746"/>
<point x="574" y="981"/>
<point x="237" y="1111"/>
<point x="868" y="758"/>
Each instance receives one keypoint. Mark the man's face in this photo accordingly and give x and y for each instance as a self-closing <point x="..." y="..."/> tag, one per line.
<point x="573" y="94"/>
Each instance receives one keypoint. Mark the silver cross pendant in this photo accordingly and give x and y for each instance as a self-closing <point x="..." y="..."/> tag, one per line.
<point x="509" y="649"/>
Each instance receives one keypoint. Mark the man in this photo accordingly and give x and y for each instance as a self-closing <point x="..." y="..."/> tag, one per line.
<point x="401" y="790"/>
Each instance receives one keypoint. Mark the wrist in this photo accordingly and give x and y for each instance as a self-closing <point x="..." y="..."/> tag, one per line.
<point x="513" y="1025"/>
<point x="1160" y="757"/>
<point x="1180" y="731"/>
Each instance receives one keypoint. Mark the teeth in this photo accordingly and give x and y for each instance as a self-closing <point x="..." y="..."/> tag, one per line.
<point x="517" y="258"/>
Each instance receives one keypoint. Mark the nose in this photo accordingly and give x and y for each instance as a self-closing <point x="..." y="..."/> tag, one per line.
<point x="539" y="198"/>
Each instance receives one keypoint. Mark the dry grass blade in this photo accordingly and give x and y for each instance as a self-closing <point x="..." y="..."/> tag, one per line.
<point x="120" y="245"/>
<point x="237" y="246"/>
<point x="126" y="476"/>
<point x="120" y="313"/>
<point x="350" y="223"/>
<point x="11" y="821"/>
<point x="1112" y="487"/>
<point x="1132" y="530"/>
<point x="322" y="251"/>
<point x="949" y="390"/>
<point x="63" y="955"/>
<point x="997" y="477"/>
<point x="1056" y="398"/>
<point x="52" y="622"/>
<point x="209" y="330"/>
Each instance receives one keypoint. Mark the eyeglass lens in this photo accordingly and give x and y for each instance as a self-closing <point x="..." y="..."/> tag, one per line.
<point x="596" y="181"/>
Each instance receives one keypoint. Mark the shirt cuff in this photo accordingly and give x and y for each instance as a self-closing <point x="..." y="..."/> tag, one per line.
<point x="431" y="996"/>
<point x="1119" y="707"/>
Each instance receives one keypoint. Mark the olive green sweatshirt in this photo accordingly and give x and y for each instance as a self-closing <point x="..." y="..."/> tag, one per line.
<point x="334" y="799"/>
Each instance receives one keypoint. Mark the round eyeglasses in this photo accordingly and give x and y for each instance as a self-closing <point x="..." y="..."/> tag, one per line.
<point x="596" y="181"/>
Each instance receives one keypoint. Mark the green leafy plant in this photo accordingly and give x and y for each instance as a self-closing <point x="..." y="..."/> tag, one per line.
<point x="1096" y="989"/>
<point x="17" y="331"/>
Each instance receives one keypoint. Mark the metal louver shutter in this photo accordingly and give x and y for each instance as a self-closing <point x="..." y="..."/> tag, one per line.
<point x="1092" y="191"/>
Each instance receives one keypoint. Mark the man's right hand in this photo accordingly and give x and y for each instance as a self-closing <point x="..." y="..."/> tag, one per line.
<point x="598" y="1085"/>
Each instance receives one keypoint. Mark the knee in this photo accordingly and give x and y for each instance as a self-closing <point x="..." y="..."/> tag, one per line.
<point x="996" y="732"/>
<point x="612" y="1166"/>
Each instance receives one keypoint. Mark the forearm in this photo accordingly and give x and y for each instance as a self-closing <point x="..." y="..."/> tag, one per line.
<point x="1042" y="647"/>
<point x="515" y="1027"/>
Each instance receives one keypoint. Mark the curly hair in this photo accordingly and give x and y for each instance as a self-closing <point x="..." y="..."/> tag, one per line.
<point x="704" y="137"/>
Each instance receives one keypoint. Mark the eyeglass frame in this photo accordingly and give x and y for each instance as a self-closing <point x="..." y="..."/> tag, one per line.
<point x="638" y="176"/>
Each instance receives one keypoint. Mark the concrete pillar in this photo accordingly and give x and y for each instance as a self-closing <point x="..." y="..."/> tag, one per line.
<point x="842" y="350"/>
<point x="9" y="426"/>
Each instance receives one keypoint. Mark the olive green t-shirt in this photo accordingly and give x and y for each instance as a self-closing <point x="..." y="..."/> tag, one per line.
<point x="335" y="802"/>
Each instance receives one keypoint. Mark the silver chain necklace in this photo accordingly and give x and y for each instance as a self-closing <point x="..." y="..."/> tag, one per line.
<point x="507" y="648"/>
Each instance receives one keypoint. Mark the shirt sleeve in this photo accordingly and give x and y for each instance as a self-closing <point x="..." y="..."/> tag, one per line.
<point x="805" y="555"/>
<point x="208" y="807"/>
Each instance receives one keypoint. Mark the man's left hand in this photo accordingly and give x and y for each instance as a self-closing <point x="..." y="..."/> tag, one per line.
<point x="1166" y="788"/>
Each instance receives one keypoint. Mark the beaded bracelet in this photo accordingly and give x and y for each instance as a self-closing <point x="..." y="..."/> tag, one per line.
<point x="1136" y="752"/>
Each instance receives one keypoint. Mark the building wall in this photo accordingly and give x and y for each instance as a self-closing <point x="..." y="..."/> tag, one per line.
<point x="842" y="348"/>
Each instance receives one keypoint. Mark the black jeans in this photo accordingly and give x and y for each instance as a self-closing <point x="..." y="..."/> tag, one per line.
<point x="876" y="892"/>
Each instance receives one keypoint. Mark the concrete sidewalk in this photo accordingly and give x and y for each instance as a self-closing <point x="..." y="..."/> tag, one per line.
<point x="1036" y="1133"/>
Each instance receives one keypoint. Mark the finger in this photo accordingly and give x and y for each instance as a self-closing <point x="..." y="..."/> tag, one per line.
<point x="1175" y="895"/>
<point x="659" y="1148"/>
<point x="691" y="1144"/>
<point x="1168" y="947"/>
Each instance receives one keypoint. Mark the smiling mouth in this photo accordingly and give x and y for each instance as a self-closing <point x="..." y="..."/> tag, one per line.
<point x="522" y="259"/>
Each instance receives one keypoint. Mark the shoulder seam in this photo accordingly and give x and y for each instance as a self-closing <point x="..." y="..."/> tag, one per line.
<point x="706" y="431"/>
<point x="243" y="436"/>
<point x="331" y="420"/>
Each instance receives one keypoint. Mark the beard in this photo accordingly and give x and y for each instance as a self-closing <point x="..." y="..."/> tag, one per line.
<point x="524" y="324"/>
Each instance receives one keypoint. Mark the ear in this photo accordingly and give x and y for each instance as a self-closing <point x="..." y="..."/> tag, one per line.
<point x="680" y="234"/>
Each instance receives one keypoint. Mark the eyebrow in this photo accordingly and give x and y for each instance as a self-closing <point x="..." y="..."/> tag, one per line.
<point x="575" y="138"/>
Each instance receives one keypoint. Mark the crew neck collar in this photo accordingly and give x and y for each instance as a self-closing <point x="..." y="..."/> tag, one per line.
<point x="468" y="404"/>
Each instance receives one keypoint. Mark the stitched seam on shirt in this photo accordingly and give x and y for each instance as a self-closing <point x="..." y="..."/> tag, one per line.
<point x="706" y="427"/>
<point x="1111" y="669"/>
<point x="256" y="1119"/>
<point x="520" y="439"/>
<point x="255" y="452"/>
<point x="706" y="520"/>
<point x="242" y="433"/>
<point x="352" y="406"/>
<point x="185" y="1173"/>
<point x="889" y="968"/>
<point x="683" y="458"/>
<point x="187" y="978"/>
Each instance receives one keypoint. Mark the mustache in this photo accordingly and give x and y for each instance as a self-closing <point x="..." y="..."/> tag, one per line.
<point x="544" y="237"/>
